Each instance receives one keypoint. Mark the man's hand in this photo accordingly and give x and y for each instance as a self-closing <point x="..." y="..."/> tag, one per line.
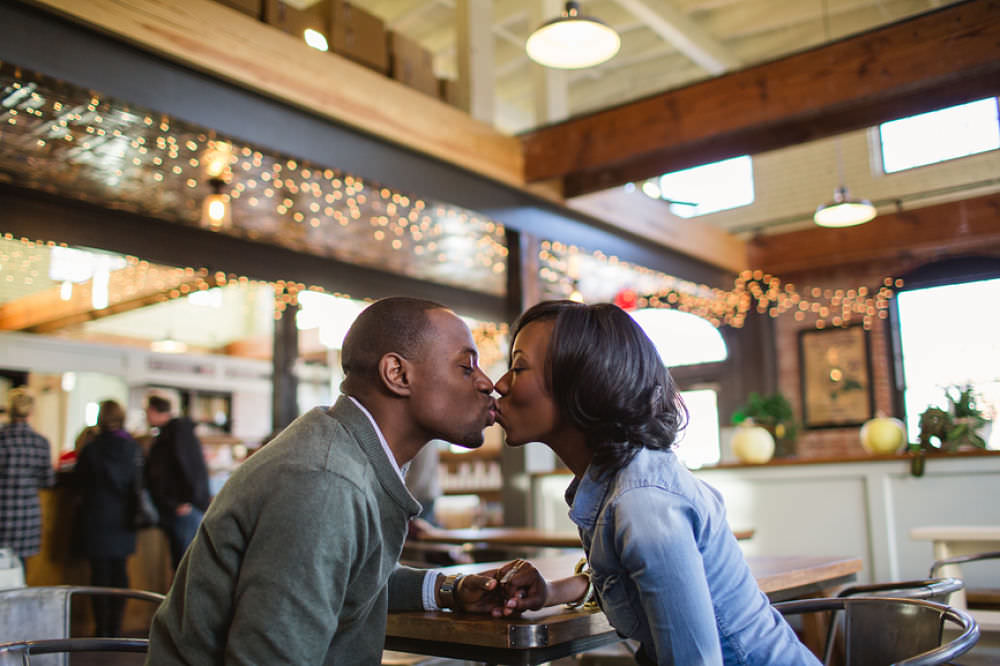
<point x="183" y="509"/>
<point x="479" y="593"/>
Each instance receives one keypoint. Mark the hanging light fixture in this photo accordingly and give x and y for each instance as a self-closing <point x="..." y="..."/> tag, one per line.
<point x="844" y="211"/>
<point x="573" y="41"/>
<point x="215" y="209"/>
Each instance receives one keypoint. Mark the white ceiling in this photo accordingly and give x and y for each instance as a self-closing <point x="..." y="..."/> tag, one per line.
<point x="665" y="43"/>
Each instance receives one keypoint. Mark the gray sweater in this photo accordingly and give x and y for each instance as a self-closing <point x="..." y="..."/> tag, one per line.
<point x="293" y="561"/>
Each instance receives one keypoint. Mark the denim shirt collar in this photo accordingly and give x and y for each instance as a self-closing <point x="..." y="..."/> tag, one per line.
<point x="585" y="496"/>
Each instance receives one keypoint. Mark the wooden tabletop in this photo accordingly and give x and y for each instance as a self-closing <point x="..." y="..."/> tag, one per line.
<point x="550" y="633"/>
<point x="956" y="533"/>
<point x="518" y="536"/>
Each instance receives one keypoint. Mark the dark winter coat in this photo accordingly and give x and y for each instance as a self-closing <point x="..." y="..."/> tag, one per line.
<point x="175" y="471"/>
<point x="106" y="469"/>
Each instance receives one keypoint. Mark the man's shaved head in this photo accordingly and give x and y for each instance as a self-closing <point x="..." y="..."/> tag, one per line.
<point x="391" y="325"/>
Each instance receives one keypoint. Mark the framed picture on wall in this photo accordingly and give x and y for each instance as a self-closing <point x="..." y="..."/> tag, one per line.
<point x="835" y="367"/>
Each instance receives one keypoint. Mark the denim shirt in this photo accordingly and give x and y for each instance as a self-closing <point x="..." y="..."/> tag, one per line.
<point x="668" y="571"/>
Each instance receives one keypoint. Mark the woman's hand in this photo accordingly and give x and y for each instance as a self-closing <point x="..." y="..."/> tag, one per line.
<point x="522" y="587"/>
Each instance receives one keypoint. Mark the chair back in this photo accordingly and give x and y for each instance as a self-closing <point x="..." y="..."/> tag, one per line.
<point x="930" y="589"/>
<point x="43" y="613"/>
<point x="19" y="653"/>
<point x="892" y="630"/>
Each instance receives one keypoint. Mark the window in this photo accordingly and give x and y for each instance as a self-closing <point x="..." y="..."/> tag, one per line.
<point x="705" y="189"/>
<point x="948" y="336"/>
<point x="940" y="135"/>
<point x="698" y="445"/>
<point x="682" y="338"/>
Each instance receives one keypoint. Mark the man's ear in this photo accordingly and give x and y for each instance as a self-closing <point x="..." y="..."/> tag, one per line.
<point x="393" y="372"/>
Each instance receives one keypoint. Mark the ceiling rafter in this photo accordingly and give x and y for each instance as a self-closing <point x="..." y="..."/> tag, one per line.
<point x="688" y="37"/>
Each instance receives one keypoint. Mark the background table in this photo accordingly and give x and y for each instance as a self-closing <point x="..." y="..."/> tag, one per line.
<point x="551" y="633"/>
<point x="954" y="540"/>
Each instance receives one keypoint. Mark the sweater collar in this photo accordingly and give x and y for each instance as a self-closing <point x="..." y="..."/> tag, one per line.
<point x="362" y="426"/>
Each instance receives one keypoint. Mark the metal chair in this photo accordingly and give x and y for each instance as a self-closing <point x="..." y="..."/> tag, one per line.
<point x="40" y="614"/>
<point x="987" y="618"/>
<point x="931" y="589"/>
<point x="18" y="653"/>
<point x="892" y="630"/>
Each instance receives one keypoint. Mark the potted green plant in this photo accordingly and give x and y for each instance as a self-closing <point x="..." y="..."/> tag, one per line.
<point x="948" y="430"/>
<point x="774" y="413"/>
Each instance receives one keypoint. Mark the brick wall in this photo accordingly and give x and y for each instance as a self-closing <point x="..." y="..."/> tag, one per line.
<point x="836" y="442"/>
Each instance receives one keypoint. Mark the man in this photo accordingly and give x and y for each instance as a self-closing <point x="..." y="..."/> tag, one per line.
<point x="177" y="476"/>
<point x="296" y="561"/>
<point x="25" y="466"/>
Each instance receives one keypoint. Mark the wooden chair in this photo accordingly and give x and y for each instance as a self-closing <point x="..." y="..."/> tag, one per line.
<point x="32" y="617"/>
<point x="892" y="630"/>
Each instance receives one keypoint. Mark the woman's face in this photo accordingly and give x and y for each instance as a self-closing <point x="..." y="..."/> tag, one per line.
<point x="527" y="411"/>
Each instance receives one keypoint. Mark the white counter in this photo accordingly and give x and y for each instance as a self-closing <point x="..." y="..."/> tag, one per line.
<point x="865" y="508"/>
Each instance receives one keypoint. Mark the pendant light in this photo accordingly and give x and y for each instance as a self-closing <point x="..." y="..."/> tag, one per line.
<point x="216" y="210"/>
<point x="843" y="211"/>
<point x="573" y="41"/>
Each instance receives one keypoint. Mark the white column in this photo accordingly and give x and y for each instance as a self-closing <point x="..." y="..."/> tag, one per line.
<point x="474" y="30"/>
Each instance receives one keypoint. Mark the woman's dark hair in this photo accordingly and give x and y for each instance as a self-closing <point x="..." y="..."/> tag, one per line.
<point x="608" y="380"/>
<point x="110" y="416"/>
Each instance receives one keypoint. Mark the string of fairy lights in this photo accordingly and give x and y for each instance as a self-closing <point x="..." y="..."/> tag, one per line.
<point x="151" y="163"/>
<point x="568" y="271"/>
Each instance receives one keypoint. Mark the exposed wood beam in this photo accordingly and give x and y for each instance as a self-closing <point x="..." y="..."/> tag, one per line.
<point x="971" y="225"/>
<point x="942" y="58"/>
<point x="653" y="220"/>
<point x="210" y="37"/>
<point x="688" y="37"/>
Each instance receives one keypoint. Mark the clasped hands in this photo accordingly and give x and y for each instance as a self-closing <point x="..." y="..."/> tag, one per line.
<point x="509" y="590"/>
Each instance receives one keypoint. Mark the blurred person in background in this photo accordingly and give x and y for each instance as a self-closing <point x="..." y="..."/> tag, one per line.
<point x="25" y="466"/>
<point x="107" y="469"/>
<point x="177" y="476"/>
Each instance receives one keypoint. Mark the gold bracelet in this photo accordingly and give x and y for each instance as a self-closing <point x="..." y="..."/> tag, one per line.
<point x="588" y="600"/>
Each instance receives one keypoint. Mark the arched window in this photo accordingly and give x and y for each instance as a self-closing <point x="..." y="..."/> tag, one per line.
<point x="681" y="337"/>
<point x="686" y="339"/>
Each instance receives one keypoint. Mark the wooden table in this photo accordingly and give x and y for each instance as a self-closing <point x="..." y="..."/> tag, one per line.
<point x="552" y="633"/>
<point x="953" y="541"/>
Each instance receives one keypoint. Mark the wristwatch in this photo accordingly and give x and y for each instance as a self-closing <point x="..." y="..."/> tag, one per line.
<point x="448" y="590"/>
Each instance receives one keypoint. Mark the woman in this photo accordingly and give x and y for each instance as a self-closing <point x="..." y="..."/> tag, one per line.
<point x="106" y="470"/>
<point x="25" y="466"/>
<point x="666" y="569"/>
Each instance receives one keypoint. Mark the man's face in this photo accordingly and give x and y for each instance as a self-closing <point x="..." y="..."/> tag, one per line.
<point x="155" y="418"/>
<point x="450" y="395"/>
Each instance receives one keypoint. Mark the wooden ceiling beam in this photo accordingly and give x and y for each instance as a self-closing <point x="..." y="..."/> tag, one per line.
<point x="210" y="37"/>
<point x="968" y="226"/>
<point x="946" y="57"/>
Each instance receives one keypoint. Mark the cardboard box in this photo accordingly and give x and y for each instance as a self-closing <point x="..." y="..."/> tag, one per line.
<point x="295" y="21"/>
<point x="358" y="35"/>
<point x="249" y="7"/>
<point x="412" y="64"/>
<point x="448" y="91"/>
